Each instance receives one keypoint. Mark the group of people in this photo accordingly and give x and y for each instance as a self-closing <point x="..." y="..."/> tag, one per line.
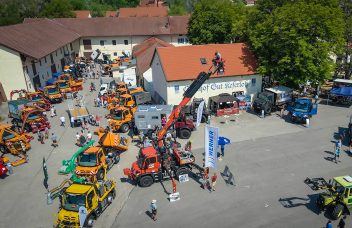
<point x="81" y="140"/>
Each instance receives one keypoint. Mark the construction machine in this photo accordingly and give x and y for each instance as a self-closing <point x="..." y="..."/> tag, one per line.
<point x="27" y="116"/>
<point x="121" y="118"/>
<point x="75" y="85"/>
<point x="14" y="143"/>
<point x="32" y="96"/>
<point x="52" y="93"/>
<point x="157" y="163"/>
<point x="64" y="86"/>
<point x="93" y="197"/>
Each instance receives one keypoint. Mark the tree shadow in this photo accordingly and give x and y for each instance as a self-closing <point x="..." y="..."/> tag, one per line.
<point x="309" y="202"/>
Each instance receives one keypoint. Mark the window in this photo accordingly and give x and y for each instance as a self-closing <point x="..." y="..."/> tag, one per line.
<point x="51" y="58"/>
<point x="55" y="53"/>
<point x="33" y="68"/>
<point x="45" y="59"/>
<point x="155" y="117"/>
<point x="47" y="74"/>
<point x="186" y="41"/>
<point x="180" y="40"/>
<point x="87" y="44"/>
<point x="43" y="77"/>
<point x="177" y="88"/>
<point x="115" y="53"/>
<point x="126" y="42"/>
<point x="141" y="116"/>
<point x="90" y="199"/>
<point x="71" y="46"/>
<point x="254" y="80"/>
<point x="40" y="62"/>
<point x="102" y="43"/>
<point x="113" y="42"/>
<point x="60" y="50"/>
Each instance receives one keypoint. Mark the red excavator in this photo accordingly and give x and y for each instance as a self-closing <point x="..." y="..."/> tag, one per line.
<point x="157" y="163"/>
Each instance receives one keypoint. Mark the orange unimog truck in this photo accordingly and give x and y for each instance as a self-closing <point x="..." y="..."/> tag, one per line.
<point x="75" y="85"/>
<point x="64" y="86"/>
<point x="121" y="119"/>
<point x="52" y="93"/>
<point x="32" y="96"/>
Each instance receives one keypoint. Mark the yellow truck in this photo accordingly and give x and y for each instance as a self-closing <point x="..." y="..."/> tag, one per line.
<point x="91" y="198"/>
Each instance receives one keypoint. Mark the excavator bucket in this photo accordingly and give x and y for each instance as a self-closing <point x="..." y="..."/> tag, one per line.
<point x="115" y="141"/>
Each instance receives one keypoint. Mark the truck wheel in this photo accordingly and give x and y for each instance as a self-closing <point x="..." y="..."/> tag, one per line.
<point x="181" y="171"/>
<point x="3" y="149"/>
<point x="100" y="174"/>
<point x="89" y="222"/>
<point x="204" y="119"/>
<point x="267" y="110"/>
<point x="145" y="181"/>
<point x="110" y="198"/>
<point x="117" y="158"/>
<point x="337" y="211"/>
<point x="125" y="128"/>
<point x="185" y="133"/>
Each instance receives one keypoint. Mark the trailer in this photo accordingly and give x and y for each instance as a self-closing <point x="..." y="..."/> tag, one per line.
<point x="79" y="114"/>
<point x="142" y="98"/>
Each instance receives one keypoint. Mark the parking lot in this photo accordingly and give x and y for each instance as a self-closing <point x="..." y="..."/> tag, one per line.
<point x="269" y="158"/>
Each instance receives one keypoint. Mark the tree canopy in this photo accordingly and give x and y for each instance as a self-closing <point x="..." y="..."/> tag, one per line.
<point x="295" y="42"/>
<point x="57" y="9"/>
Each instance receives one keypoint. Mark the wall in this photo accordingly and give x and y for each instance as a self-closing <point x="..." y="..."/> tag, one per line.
<point x="176" y="40"/>
<point x="43" y="66"/>
<point x="159" y="81"/>
<point x="214" y="86"/>
<point x="11" y="73"/>
<point x="148" y="81"/>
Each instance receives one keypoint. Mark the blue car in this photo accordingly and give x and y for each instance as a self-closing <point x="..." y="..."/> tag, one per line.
<point x="302" y="109"/>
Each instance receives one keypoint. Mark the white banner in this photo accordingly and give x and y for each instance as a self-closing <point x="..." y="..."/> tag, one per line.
<point x="211" y="145"/>
<point x="200" y="113"/>
<point x="82" y="212"/>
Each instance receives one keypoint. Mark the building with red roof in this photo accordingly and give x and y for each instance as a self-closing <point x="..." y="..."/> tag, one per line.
<point x="174" y="69"/>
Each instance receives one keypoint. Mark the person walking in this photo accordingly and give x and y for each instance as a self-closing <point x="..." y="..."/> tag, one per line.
<point x="72" y="121"/>
<point x="97" y="120"/>
<point x="154" y="209"/>
<point x="62" y="120"/>
<point x="342" y="223"/>
<point x="82" y="140"/>
<point x="205" y="178"/>
<point x="89" y="136"/>
<point x="52" y="112"/>
<point x="222" y="149"/>
<point x="213" y="181"/>
<point x="328" y="224"/>
<point x="46" y="133"/>
<point x="338" y="145"/>
<point x="41" y="137"/>
<point x="54" y="140"/>
<point x="77" y="138"/>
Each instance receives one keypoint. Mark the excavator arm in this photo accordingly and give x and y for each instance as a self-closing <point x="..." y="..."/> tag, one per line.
<point x="187" y="96"/>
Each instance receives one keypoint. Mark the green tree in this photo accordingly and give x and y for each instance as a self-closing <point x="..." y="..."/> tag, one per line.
<point x="211" y="22"/>
<point x="178" y="7"/>
<point x="295" y="42"/>
<point x="58" y="9"/>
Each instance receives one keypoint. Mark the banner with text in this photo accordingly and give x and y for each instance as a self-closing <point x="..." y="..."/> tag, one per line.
<point x="211" y="145"/>
<point x="200" y="113"/>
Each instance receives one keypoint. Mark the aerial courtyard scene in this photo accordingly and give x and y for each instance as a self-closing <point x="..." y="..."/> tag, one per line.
<point x="175" y="113"/>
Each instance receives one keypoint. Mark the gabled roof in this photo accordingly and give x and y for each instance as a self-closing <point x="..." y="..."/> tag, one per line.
<point x="82" y="13"/>
<point x="143" y="12"/>
<point x="144" y="52"/>
<point x="36" y="38"/>
<point x="183" y="63"/>
<point x="111" y="13"/>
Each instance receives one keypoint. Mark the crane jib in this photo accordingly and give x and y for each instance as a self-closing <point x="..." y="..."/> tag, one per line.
<point x="196" y="84"/>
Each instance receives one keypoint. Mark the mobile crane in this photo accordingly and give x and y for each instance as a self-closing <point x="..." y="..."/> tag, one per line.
<point x="157" y="163"/>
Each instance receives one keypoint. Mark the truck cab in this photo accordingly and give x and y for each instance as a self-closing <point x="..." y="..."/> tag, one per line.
<point x="272" y="98"/>
<point x="94" y="161"/>
<point x="302" y="109"/>
<point x="64" y="86"/>
<point x="120" y="119"/>
<point x="94" y="197"/>
<point x="52" y="93"/>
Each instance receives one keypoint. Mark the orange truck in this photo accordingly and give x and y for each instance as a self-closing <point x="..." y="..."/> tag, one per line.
<point x="64" y="86"/>
<point x="75" y="85"/>
<point x="52" y="93"/>
<point x="32" y="96"/>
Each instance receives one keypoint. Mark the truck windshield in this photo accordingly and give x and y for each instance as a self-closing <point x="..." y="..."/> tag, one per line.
<point x="117" y="116"/>
<point x="33" y="116"/>
<point x="63" y="85"/>
<point x="140" y="161"/>
<point x="52" y="91"/>
<point x="301" y="107"/>
<point x="262" y="96"/>
<point x="7" y="135"/>
<point x="72" y="202"/>
<point x="338" y="187"/>
<point x="87" y="160"/>
<point x="36" y="98"/>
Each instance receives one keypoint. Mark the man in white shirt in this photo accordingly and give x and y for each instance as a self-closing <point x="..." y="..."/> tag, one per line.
<point x="89" y="136"/>
<point x="62" y="119"/>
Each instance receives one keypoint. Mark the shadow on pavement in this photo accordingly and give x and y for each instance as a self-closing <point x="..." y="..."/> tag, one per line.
<point x="127" y="180"/>
<point x="308" y="202"/>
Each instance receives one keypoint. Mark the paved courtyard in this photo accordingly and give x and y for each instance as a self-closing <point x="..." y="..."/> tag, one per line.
<point x="269" y="158"/>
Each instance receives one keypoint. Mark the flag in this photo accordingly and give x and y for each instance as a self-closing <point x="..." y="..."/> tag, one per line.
<point x="200" y="113"/>
<point x="46" y="177"/>
<point x="82" y="214"/>
<point x="211" y="145"/>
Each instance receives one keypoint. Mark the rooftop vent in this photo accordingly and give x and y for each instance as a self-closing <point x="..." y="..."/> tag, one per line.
<point x="203" y="61"/>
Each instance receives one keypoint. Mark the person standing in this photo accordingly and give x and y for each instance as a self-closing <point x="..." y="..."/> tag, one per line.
<point x="89" y="136"/>
<point x="222" y="149"/>
<point x="82" y="140"/>
<point x="328" y="224"/>
<point x="46" y="133"/>
<point x="342" y="223"/>
<point x="52" y="112"/>
<point x="97" y="120"/>
<point x="72" y="121"/>
<point x="205" y="178"/>
<point x="213" y="181"/>
<point x="41" y="137"/>
<point x="154" y="209"/>
<point x="54" y="140"/>
<point x="62" y="120"/>
<point x="338" y="145"/>
<point x="174" y="135"/>
<point x="77" y="138"/>
<point x="163" y="121"/>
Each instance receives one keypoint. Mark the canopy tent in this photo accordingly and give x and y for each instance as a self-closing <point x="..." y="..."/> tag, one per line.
<point x="341" y="91"/>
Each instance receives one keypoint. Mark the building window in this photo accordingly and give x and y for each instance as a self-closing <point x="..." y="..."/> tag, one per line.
<point x="113" y="42"/>
<point x="180" y="40"/>
<point x="40" y="62"/>
<point x="186" y="41"/>
<point x="254" y="80"/>
<point x="71" y="46"/>
<point x="45" y="59"/>
<point x="177" y="88"/>
<point x="155" y="117"/>
<point x="87" y="45"/>
<point x="126" y="42"/>
<point x="33" y="68"/>
<point x="51" y="58"/>
<point x="43" y="77"/>
<point x="115" y="53"/>
<point x="47" y="74"/>
<point x="102" y="43"/>
<point x="55" y="53"/>
<point x="60" y="50"/>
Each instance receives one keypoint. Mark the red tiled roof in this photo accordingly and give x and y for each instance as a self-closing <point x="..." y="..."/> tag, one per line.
<point x="143" y="12"/>
<point x="110" y="13"/>
<point x="82" y="13"/>
<point x="183" y="63"/>
<point x="144" y="52"/>
<point x="36" y="38"/>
